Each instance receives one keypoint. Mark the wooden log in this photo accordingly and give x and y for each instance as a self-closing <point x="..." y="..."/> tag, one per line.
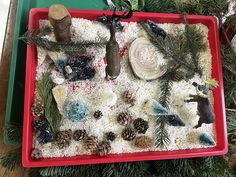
<point x="60" y="19"/>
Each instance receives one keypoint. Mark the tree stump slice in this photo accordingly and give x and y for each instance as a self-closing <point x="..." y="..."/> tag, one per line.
<point x="145" y="60"/>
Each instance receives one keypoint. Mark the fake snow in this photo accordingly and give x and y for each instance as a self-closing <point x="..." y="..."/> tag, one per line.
<point x="92" y="93"/>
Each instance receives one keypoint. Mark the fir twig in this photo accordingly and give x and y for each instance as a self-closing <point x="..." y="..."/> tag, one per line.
<point x="231" y="121"/>
<point x="14" y="132"/>
<point x="196" y="43"/>
<point x="37" y="37"/>
<point x="175" y="49"/>
<point x="44" y="87"/>
<point x="12" y="160"/>
<point x="161" y="134"/>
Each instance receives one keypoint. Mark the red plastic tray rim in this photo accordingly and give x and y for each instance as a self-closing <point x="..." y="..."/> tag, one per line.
<point x="219" y="106"/>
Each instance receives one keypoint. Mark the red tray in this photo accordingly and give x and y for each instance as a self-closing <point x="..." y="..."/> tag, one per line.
<point x="219" y="106"/>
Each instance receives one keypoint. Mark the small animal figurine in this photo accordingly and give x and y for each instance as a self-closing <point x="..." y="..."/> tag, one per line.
<point x="205" y="110"/>
<point x="112" y="48"/>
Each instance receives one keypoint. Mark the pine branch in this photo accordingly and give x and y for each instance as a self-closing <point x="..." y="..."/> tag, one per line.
<point x="201" y="7"/>
<point x="175" y="49"/>
<point x="136" y="169"/>
<point x="37" y="37"/>
<point x="161" y="134"/>
<point x="12" y="160"/>
<point x="14" y="132"/>
<point x="196" y="43"/>
<point x="231" y="124"/>
<point x="196" y="167"/>
<point x="44" y="87"/>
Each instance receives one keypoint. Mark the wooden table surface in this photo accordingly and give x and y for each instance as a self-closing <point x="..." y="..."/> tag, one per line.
<point x="4" y="76"/>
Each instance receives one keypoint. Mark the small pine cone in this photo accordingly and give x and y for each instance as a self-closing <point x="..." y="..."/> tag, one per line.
<point x="37" y="124"/>
<point x="37" y="109"/>
<point x="140" y="125"/>
<point x="178" y="76"/>
<point x="143" y="142"/>
<point x="36" y="153"/>
<point x="80" y="135"/>
<point x="104" y="148"/>
<point x="124" y="118"/>
<point x="129" y="97"/>
<point x="63" y="138"/>
<point x="98" y="114"/>
<point x="110" y="136"/>
<point x="128" y="134"/>
<point x="91" y="144"/>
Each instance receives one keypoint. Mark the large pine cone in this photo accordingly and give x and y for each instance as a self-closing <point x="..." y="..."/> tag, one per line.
<point x="91" y="144"/>
<point x="80" y="135"/>
<point x="140" y="125"/>
<point x="129" y="97"/>
<point x="124" y="118"/>
<point x="63" y="138"/>
<point x="143" y="142"/>
<point x="128" y="134"/>
<point x="104" y="148"/>
<point x="37" y="109"/>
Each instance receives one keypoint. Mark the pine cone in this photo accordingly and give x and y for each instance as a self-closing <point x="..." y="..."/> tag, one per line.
<point x="124" y="118"/>
<point x="63" y="138"/>
<point x="37" y="124"/>
<point x="129" y="97"/>
<point x="128" y="134"/>
<point x="140" y="125"/>
<point x="104" y="148"/>
<point x="98" y="114"/>
<point x="80" y="135"/>
<point x="143" y="142"/>
<point x="37" y="109"/>
<point x="36" y="153"/>
<point x="91" y="144"/>
<point x="110" y="136"/>
<point x="178" y="76"/>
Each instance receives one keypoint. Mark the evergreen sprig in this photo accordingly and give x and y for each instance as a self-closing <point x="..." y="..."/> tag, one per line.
<point x="44" y="87"/>
<point x="175" y="49"/>
<point x="136" y="169"/>
<point x="12" y="160"/>
<point x="37" y="37"/>
<point x="201" y="7"/>
<point x="196" y="167"/>
<point x="196" y="43"/>
<point x="231" y="124"/>
<point x="161" y="134"/>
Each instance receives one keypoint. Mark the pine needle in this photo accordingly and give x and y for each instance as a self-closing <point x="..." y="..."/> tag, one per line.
<point x="12" y="160"/>
<point x="44" y="87"/>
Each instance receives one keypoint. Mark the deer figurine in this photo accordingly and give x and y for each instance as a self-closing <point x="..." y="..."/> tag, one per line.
<point x="112" y="48"/>
<point x="205" y="110"/>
